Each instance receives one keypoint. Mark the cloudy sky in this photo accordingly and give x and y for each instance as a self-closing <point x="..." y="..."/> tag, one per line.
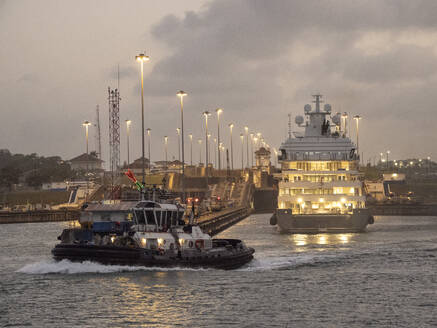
<point x="258" y="60"/>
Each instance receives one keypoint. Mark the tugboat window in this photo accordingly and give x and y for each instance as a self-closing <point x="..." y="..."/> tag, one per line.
<point x="140" y="216"/>
<point x="149" y="216"/>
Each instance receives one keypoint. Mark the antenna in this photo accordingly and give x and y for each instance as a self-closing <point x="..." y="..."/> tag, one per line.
<point x="289" y="126"/>
<point x="98" y="134"/>
<point x="118" y="77"/>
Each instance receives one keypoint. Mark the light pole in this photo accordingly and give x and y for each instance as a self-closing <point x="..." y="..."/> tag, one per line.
<point x="165" y="149"/>
<point x="251" y="149"/>
<point x="178" y="131"/>
<point x="218" y="111"/>
<point x="242" y="151"/>
<point x="191" y="149"/>
<point x="200" y="150"/>
<point x="181" y="94"/>
<point x="215" y="151"/>
<point x="222" y="150"/>
<point x="206" y="114"/>
<point x="209" y="146"/>
<point x="86" y="124"/>
<point x="344" y="120"/>
<point x="149" y="130"/>
<point x="141" y="58"/>
<point x="128" y="123"/>
<point x="388" y="152"/>
<point x="246" y="129"/>
<point x="357" y="118"/>
<point x="231" y="125"/>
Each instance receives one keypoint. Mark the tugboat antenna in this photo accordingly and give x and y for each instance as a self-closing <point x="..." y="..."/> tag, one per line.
<point x="289" y="126"/>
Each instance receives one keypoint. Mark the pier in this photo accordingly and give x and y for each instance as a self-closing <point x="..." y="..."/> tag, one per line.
<point x="39" y="216"/>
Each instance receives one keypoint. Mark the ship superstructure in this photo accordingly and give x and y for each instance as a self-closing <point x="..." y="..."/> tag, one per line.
<point x="320" y="187"/>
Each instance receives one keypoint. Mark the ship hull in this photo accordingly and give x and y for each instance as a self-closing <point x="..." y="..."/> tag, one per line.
<point x="115" y="255"/>
<point x="322" y="223"/>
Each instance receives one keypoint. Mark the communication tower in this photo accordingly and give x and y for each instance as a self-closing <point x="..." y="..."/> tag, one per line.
<point x="114" y="129"/>
<point x="98" y="135"/>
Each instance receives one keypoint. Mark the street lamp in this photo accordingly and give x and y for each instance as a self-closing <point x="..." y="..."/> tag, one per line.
<point x="251" y="149"/>
<point x="86" y="124"/>
<point x="200" y="150"/>
<point x="191" y="149"/>
<point x="231" y="125"/>
<point x="206" y="114"/>
<point x="218" y="111"/>
<point x="178" y="131"/>
<point x="165" y="148"/>
<point x="215" y="152"/>
<point x="128" y="123"/>
<point x="357" y="118"/>
<point x="181" y="94"/>
<point x="141" y="58"/>
<point x="388" y="152"/>
<point x="344" y="123"/>
<point x="209" y="146"/>
<point x="149" y="130"/>
<point x="242" y="151"/>
<point x="246" y="129"/>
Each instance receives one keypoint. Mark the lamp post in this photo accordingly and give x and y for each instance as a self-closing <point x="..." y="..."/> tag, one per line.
<point x="218" y="111"/>
<point x="242" y="151"/>
<point x="128" y="123"/>
<point x="388" y="152"/>
<point x="246" y="129"/>
<point x="357" y="118"/>
<point x="141" y="58"/>
<point x="165" y="149"/>
<point x="149" y="130"/>
<point x="86" y="124"/>
<point x="215" y="151"/>
<point x="206" y="114"/>
<point x="222" y="150"/>
<point x="209" y="146"/>
<point x="344" y="121"/>
<point x="231" y="125"/>
<point x="178" y="131"/>
<point x="191" y="149"/>
<point x="200" y="150"/>
<point x="251" y="149"/>
<point x="181" y="94"/>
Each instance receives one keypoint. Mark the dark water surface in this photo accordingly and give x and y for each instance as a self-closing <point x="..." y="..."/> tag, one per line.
<point x="386" y="277"/>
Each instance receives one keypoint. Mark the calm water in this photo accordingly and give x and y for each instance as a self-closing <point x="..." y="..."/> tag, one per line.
<point x="386" y="277"/>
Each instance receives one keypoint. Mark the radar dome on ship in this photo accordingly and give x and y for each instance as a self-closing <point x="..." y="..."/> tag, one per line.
<point x="298" y="120"/>
<point x="336" y="119"/>
<point x="307" y="108"/>
<point x="327" y="108"/>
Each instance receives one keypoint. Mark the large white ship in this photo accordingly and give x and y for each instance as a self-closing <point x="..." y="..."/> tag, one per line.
<point x="320" y="188"/>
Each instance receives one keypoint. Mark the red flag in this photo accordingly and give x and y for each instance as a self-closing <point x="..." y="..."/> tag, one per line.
<point x="130" y="175"/>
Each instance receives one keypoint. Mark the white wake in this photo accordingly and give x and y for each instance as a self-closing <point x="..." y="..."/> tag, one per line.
<point x="68" y="267"/>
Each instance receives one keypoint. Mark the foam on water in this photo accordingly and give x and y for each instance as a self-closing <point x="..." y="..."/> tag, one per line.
<point x="68" y="267"/>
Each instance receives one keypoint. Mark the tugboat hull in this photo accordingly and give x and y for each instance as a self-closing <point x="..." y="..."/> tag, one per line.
<point x="322" y="223"/>
<point x="224" y="258"/>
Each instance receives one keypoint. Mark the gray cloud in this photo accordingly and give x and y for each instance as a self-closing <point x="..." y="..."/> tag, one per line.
<point x="248" y="55"/>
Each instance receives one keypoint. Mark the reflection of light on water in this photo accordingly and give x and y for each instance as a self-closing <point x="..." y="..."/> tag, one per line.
<point x="321" y="240"/>
<point x="299" y="240"/>
<point x="344" y="238"/>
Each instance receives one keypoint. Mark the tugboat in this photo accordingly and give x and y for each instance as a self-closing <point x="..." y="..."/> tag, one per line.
<point x="147" y="233"/>
<point x="320" y="188"/>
